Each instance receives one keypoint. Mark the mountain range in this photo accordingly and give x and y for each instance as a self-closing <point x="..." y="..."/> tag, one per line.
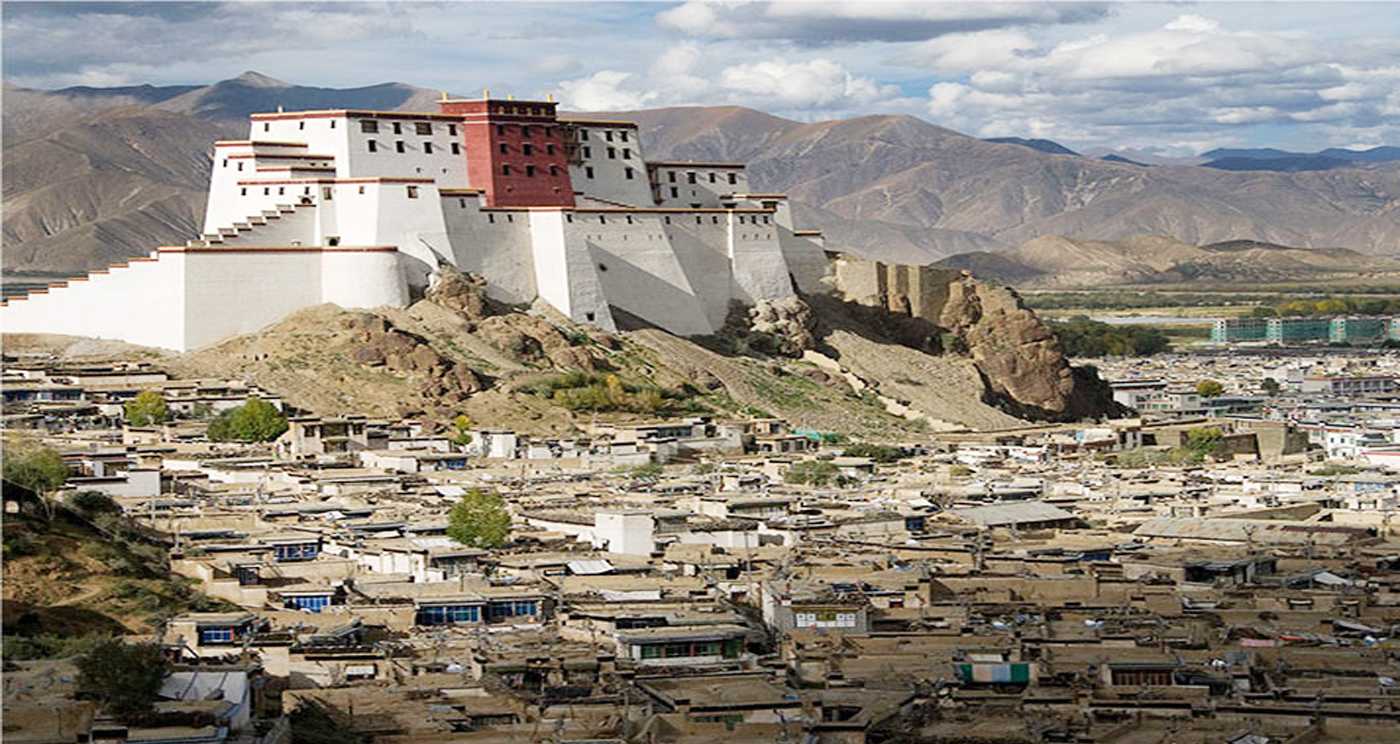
<point x="93" y="175"/>
<point x="1059" y="262"/>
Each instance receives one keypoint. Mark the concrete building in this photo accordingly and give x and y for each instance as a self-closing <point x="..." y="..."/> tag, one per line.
<point x="361" y="208"/>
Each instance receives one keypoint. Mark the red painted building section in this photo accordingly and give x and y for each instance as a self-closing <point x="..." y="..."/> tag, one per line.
<point x="515" y="152"/>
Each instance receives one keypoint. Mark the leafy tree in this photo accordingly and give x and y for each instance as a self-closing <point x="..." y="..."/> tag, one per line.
<point x="460" y="433"/>
<point x="1203" y="442"/>
<point x="814" y="473"/>
<point x="125" y="678"/>
<point x="37" y="468"/>
<point x="1209" y="389"/>
<point x="880" y="453"/>
<point x="1082" y="337"/>
<point x="254" y="421"/>
<point x="479" y="520"/>
<point x="1270" y="386"/>
<point x="147" y="409"/>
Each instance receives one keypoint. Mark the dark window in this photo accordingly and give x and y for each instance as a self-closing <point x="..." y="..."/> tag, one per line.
<point x="525" y="131"/>
<point x="628" y="172"/>
<point x="301" y="125"/>
<point x="423" y="127"/>
<point x="549" y="149"/>
<point x="240" y="163"/>
<point x="675" y="192"/>
<point x="603" y="268"/>
<point x="452" y="129"/>
<point x="553" y="170"/>
<point x="505" y="170"/>
<point x="491" y="218"/>
<point x="527" y="149"/>
<point x="612" y="153"/>
<point x="608" y="135"/>
<point x="712" y="178"/>
<point x="373" y="146"/>
<point x="588" y="152"/>
<point x="413" y="192"/>
<point x="672" y="177"/>
<point x="427" y="148"/>
<point x="733" y="179"/>
<point x="668" y="219"/>
<point x="500" y="129"/>
<point x="568" y="218"/>
<point x="456" y="148"/>
<point x="626" y="153"/>
<point x="690" y="178"/>
<point x="398" y="145"/>
<point x="530" y="171"/>
<point x="505" y="149"/>
<point x="243" y="191"/>
<point x="398" y="127"/>
<point x="588" y="171"/>
<point x="332" y="123"/>
<point x="623" y="135"/>
<point x="583" y="134"/>
<point x="267" y="127"/>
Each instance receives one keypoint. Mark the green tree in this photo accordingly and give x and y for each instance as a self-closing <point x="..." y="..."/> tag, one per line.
<point x="814" y="473"/>
<point x="1204" y="441"/>
<point x="880" y="453"/>
<point x="1270" y="386"/>
<point x="479" y="520"/>
<point x="254" y="421"/>
<point x="125" y="678"/>
<point x="646" y="472"/>
<point x="37" y="468"/>
<point x="147" y="409"/>
<point x="1209" y="389"/>
<point x="461" y="434"/>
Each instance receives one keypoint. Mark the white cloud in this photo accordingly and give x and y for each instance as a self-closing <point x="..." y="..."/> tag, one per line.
<point x="818" y="83"/>
<point x="605" y="90"/>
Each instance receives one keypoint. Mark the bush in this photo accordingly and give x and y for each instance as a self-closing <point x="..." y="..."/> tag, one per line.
<point x="479" y="520"/>
<point x="124" y="677"/>
<point x="587" y="392"/>
<point x="92" y="503"/>
<point x="815" y="473"/>
<point x="146" y="409"/>
<point x="960" y="471"/>
<point x="254" y="421"/>
<point x="1209" y="389"/>
<point x="648" y="472"/>
<point x="880" y="453"/>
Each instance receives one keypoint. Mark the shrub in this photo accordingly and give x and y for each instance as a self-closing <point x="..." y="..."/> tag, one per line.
<point x="91" y="503"/>
<point x="1209" y="389"/>
<point x="880" y="453"/>
<point x="814" y="473"/>
<point x="34" y="467"/>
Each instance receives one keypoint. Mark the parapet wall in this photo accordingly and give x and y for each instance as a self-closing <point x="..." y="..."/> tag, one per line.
<point x="916" y="291"/>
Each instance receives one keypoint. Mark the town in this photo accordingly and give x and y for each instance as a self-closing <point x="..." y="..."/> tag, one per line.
<point x="1220" y="565"/>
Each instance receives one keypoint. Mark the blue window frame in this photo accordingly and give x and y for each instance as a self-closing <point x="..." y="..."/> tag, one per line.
<point x="297" y="551"/>
<point x="216" y="635"/>
<point x="448" y="615"/>
<point x="513" y="608"/>
<point x="314" y="603"/>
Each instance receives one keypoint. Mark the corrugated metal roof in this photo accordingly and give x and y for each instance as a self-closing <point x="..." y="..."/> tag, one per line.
<point x="1264" y="531"/>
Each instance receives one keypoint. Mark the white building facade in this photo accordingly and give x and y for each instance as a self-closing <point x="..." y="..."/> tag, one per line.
<point x="359" y="208"/>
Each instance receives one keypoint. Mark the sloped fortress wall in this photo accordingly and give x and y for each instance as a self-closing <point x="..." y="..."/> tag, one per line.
<point x="358" y="208"/>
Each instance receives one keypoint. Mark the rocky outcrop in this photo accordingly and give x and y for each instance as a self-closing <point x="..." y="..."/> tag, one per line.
<point x="464" y="294"/>
<point x="533" y="340"/>
<point x="379" y="344"/>
<point x="787" y="322"/>
<point x="1023" y="367"/>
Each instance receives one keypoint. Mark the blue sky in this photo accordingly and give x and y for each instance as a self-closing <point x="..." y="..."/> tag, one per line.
<point x="1173" y="78"/>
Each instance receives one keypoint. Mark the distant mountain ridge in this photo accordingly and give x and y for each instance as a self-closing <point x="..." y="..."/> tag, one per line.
<point x="1046" y="146"/>
<point x="1271" y="159"/>
<point x="1060" y="262"/>
<point x="95" y="175"/>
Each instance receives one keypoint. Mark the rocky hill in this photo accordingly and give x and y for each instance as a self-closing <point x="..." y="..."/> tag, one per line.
<point x="94" y="174"/>
<point x="825" y="363"/>
<point x="1056" y="261"/>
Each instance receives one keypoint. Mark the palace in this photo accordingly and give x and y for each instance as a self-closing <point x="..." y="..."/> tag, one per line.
<point x="360" y="208"/>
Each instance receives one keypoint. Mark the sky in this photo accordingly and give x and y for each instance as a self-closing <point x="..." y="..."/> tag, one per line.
<point x="1171" y="78"/>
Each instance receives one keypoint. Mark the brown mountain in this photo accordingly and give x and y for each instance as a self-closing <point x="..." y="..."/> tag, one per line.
<point x="1056" y="261"/>
<point x="93" y="174"/>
